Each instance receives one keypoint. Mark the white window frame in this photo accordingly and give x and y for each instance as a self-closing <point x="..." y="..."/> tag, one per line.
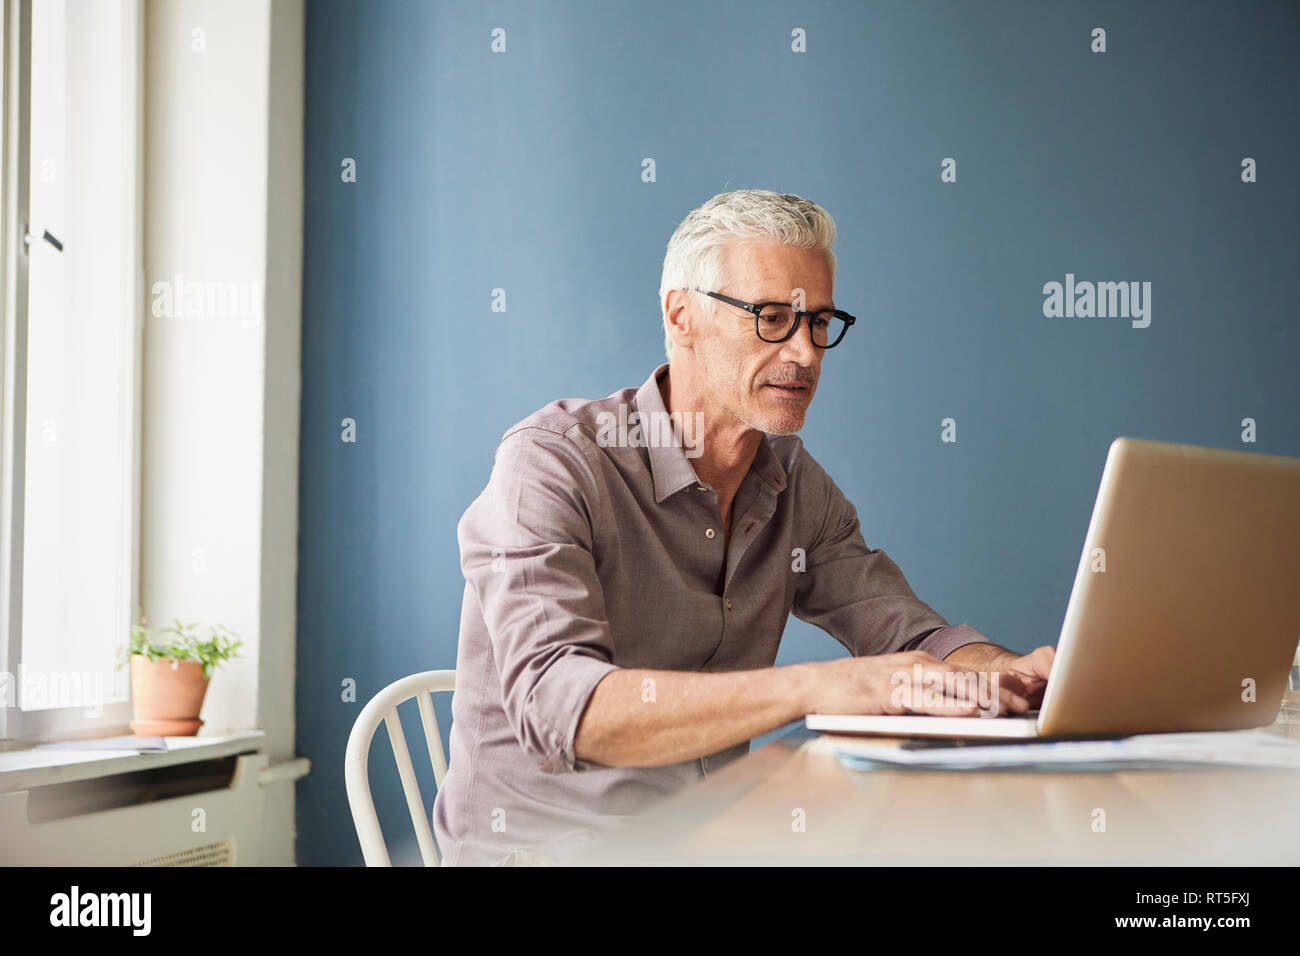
<point x="56" y="723"/>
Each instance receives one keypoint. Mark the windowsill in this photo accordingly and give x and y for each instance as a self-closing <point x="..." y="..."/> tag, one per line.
<point x="36" y="767"/>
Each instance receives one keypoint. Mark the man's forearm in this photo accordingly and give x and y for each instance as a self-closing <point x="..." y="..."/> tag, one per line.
<point x="652" y="718"/>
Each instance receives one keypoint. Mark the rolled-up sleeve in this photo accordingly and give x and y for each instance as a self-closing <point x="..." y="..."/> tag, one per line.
<point x="526" y="550"/>
<point x="857" y="594"/>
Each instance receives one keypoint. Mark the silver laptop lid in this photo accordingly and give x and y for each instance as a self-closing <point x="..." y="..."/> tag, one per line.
<point x="1185" y="611"/>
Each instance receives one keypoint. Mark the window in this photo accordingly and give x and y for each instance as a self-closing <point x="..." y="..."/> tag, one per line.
<point x="69" y="433"/>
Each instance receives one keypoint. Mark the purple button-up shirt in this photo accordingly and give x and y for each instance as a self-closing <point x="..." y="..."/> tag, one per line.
<point x="595" y="546"/>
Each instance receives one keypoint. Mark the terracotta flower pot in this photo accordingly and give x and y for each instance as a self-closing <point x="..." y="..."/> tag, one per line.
<point x="168" y="695"/>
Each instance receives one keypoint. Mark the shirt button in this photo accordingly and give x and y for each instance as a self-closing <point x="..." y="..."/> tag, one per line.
<point x="708" y="532"/>
<point x="728" y="603"/>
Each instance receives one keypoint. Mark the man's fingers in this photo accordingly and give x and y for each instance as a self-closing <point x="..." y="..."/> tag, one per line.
<point x="1018" y="682"/>
<point x="1039" y="661"/>
<point x="1011" y="701"/>
<point x="966" y="692"/>
<point x="1014" y="690"/>
<point x="948" y="710"/>
<point x="956" y="700"/>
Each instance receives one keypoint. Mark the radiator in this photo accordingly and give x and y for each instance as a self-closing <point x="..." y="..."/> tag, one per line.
<point x="214" y="854"/>
<point x="145" y="818"/>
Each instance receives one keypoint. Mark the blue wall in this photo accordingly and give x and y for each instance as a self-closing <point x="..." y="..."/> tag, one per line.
<point x="523" y="171"/>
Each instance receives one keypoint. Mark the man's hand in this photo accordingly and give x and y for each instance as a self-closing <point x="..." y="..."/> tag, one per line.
<point x="1026" y="675"/>
<point x="901" y="684"/>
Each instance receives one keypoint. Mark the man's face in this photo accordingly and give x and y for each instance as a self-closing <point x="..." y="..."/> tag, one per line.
<point x="741" y="369"/>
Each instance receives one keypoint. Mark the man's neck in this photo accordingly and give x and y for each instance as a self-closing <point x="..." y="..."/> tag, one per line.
<point x="728" y="446"/>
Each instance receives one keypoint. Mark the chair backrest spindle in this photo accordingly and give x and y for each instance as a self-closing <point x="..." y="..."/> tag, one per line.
<point x="383" y="707"/>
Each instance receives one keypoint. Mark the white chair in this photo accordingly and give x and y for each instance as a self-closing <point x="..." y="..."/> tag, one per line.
<point x="383" y="706"/>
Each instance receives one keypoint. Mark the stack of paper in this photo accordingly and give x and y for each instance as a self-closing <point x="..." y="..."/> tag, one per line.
<point x="1243" y="748"/>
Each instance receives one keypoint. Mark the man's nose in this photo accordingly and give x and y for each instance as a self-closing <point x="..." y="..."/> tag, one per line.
<point x="799" y="347"/>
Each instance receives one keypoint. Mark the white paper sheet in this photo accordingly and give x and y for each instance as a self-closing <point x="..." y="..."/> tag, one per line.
<point x="1250" y="748"/>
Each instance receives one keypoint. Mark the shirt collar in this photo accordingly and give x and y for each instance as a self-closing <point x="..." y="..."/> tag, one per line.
<point x="672" y="470"/>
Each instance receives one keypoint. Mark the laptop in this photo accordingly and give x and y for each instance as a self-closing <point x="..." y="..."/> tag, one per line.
<point x="1185" y="611"/>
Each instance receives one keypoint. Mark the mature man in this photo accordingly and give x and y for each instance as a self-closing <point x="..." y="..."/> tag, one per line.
<point x="626" y="594"/>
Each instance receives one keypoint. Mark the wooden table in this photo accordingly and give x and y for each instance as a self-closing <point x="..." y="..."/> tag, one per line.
<point x="792" y="802"/>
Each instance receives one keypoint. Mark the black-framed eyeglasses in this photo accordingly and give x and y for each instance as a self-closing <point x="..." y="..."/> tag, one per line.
<point x="778" y="321"/>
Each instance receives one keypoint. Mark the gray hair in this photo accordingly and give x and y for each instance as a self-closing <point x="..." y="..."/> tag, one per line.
<point x="694" y="256"/>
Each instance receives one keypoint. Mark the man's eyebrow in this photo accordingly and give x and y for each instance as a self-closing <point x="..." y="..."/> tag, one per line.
<point x="786" y="301"/>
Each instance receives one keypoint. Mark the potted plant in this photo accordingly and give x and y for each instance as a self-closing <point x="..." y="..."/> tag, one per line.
<point x="170" y="671"/>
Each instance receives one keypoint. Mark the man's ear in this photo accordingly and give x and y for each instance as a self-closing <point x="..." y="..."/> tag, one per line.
<point x="680" y="312"/>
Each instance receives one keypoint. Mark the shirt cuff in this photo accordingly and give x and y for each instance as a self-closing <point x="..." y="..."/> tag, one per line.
<point x="579" y="675"/>
<point x="945" y="640"/>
